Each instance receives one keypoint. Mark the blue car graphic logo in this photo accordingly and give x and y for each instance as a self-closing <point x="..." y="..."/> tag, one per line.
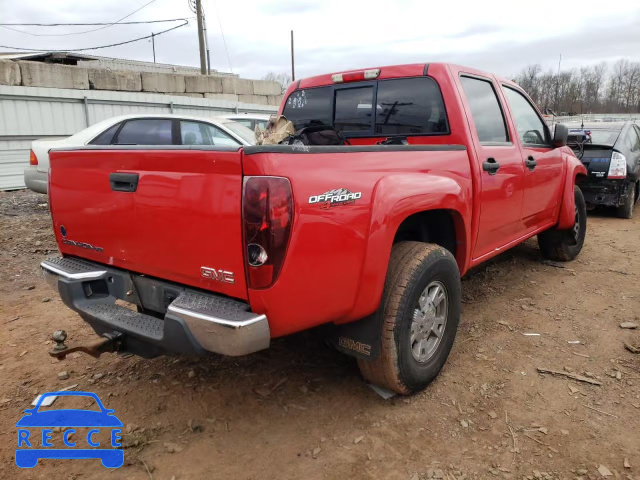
<point x="28" y="452"/>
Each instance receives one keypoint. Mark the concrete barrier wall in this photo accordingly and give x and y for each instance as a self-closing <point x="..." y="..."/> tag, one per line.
<point x="9" y="73"/>
<point x="29" y="113"/>
<point x="215" y="87"/>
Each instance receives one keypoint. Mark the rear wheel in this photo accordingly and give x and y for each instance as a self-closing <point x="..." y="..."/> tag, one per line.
<point x="565" y="245"/>
<point x="626" y="210"/>
<point x="421" y="311"/>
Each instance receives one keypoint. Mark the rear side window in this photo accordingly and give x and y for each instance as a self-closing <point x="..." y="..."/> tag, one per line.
<point x="145" y="131"/>
<point x="354" y="109"/>
<point x="529" y="125"/>
<point x="485" y="109"/>
<point x="309" y="107"/>
<point x="106" y="137"/>
<point x="410" y="106"/>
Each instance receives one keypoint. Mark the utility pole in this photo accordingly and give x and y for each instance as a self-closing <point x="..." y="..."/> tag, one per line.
<point x="293" y="65"/>
<point x="206" y="42"/>
<point x="557" y="102"/>
<point x="153" y="45"/>
<point x="203" y="61"/>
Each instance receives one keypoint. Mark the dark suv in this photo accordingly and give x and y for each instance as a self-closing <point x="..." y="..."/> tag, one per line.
<point x="612" y="157"/>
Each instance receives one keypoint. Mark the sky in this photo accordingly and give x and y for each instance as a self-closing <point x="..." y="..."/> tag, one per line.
<point x="333" y="35"/>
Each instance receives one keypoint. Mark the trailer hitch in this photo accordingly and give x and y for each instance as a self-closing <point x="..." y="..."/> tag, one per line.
<point x="108" y="342"/>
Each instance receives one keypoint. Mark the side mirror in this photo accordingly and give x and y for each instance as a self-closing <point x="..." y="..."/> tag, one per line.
<point x="560" y="135"/>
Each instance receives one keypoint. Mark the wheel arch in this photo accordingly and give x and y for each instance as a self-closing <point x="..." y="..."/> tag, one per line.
<point x="409" y="207"/>
<point x="576" y="172"/>
<point x="442" y="227"/>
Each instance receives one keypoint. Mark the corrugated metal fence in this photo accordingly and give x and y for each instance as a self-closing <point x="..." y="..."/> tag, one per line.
<point x="29" y="113"/>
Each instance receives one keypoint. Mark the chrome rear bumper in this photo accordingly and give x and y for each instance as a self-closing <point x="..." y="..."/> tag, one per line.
<point x="193" y="322"/>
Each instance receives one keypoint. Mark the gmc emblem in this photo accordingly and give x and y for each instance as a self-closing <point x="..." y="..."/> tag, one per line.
<point x="218" y="275"/>
<point x="361" y="348"/>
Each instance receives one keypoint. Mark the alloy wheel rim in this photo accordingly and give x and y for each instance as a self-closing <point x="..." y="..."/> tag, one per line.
<point x="576" y="227"/>
<point x="429" y="321"/>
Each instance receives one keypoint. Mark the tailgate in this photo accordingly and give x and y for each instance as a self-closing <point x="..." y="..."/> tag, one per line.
<point x="180" y="222"/>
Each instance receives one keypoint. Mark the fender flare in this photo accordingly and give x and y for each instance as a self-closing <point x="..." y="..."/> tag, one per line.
<point x="395" y="198"/>
<point x="574" y="169"/>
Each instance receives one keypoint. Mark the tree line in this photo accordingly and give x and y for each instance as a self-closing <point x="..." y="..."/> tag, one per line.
<point x="600" y="88"/>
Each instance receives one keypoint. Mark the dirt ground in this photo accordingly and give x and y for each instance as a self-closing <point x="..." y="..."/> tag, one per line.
<point x="301" y="410"/>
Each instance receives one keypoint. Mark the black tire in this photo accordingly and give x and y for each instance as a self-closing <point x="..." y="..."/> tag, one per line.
<point x="626" y="210"/>
<point x="565" y="245"/>
<point x="415" y="268"/>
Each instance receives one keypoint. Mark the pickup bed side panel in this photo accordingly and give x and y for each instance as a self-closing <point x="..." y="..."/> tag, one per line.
<point x="573" y="169"/>
<point x="338" y="254"/>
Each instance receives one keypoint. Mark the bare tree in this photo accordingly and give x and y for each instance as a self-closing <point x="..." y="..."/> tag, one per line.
<point x="630" y="83"/>
<point x="284" y="79"/>
<point x="589" y="89"/>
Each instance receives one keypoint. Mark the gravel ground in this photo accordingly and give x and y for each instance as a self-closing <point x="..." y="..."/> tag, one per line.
<point x="301" y="410"/>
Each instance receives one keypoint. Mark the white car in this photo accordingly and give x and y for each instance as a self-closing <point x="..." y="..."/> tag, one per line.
<point x="141" y="129"/>
<point x="250" y="120"/>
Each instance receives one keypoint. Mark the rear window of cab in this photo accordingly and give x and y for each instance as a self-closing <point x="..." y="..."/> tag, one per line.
<point x="403" y="106"/>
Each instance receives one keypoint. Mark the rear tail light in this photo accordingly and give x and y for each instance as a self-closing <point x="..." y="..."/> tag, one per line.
<point x="267" y="211"/>
<point x="33" y="160"/>
<point x="618" y="166"/>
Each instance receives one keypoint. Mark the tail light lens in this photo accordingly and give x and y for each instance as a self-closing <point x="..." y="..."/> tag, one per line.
<point x="267" y="211"/>
<point x="33" y="160"/>
<point x="618" y="166"/>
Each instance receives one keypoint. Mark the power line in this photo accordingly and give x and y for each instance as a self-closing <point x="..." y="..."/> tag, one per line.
<point x="91" y="24"/>
<point x="6" y="25"/>
<point x="95" y="48"/>
<point x="224" y="41"/>
<point x="83" y="32"/>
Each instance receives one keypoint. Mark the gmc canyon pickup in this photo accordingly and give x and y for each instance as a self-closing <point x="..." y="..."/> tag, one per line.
<point x="198" y="249"/>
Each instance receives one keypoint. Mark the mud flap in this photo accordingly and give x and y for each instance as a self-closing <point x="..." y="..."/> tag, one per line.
<point x="360" y="339"/>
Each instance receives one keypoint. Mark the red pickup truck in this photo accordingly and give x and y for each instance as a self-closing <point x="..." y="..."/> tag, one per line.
<point x="200" y="249"/>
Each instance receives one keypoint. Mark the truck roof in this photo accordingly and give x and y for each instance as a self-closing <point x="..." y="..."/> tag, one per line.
<point x="389" y="71"/>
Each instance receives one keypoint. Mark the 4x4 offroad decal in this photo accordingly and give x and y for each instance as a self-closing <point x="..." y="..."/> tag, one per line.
<point x="335" y="198"/>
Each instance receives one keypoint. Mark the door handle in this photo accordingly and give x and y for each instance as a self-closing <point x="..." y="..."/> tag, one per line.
<point x="124" y="182"/>
<point x="531" y="163"/>
<point x="491" y="166"/>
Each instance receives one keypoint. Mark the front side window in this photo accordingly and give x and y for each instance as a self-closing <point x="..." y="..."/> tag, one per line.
<point x="485" y="109"/>
<point x="145" y="131"/>
<point x="529" y="125"/>
<point x="354" y="109"/>
<point x="410" y="106"/>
